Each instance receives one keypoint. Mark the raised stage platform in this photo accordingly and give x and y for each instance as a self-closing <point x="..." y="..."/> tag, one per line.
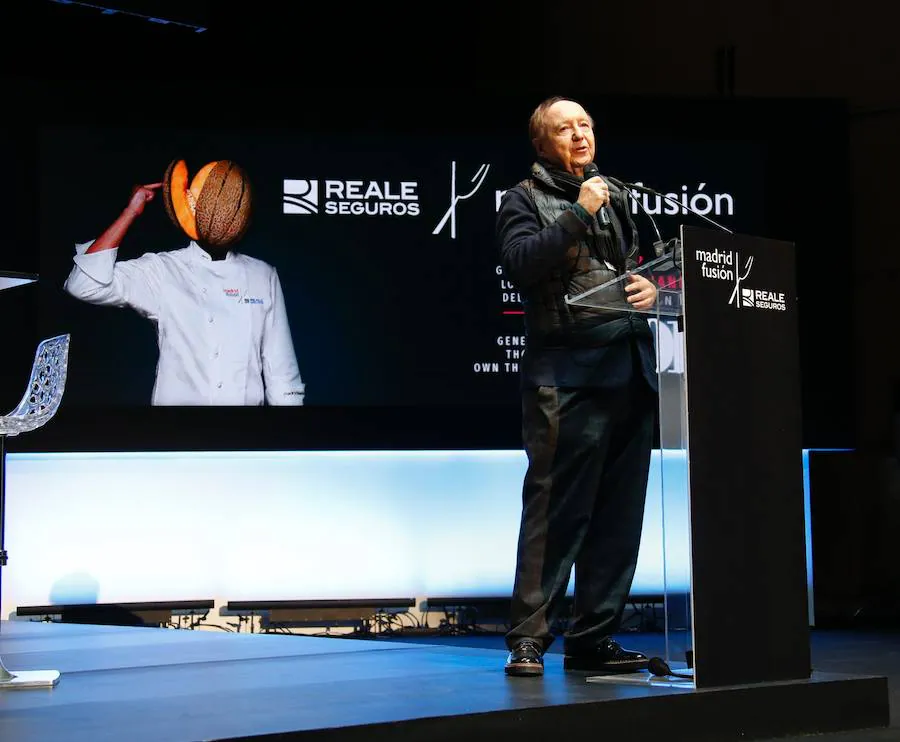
<point x="168" y="685"/>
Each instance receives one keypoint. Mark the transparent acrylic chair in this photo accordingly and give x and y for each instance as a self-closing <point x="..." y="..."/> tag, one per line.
<point x="39" y="403"/>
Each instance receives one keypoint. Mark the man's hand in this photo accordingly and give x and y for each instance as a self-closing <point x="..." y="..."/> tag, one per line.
<point x="642" y="292"/>
<point x="594" y="193"/>
<point x="140" y="195"/>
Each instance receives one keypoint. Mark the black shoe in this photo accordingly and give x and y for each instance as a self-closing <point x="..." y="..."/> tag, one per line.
<point x="526" y="659"/>
<point x="608" y="657"/>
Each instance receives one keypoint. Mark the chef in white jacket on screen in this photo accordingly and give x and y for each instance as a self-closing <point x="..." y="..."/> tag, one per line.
<point x="221" y="323"/>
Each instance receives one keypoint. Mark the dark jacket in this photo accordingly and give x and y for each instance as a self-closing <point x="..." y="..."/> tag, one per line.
<point x="547" y="252"/>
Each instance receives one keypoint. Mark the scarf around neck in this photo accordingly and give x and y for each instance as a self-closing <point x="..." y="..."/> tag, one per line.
<point x="606" y="240"/>
<point x="569" y="182"/>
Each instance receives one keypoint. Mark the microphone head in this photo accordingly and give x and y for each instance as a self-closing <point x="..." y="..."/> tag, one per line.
<point x="591" y="170"/>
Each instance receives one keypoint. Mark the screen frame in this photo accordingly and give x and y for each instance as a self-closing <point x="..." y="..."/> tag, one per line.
<point x="799" y="136"/>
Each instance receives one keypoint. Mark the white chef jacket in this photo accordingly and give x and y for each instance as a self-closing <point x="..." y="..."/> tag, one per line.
<point x="221" y="325"/>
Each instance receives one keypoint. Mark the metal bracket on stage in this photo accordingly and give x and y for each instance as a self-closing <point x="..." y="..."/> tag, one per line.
<point x="27" y="678"/>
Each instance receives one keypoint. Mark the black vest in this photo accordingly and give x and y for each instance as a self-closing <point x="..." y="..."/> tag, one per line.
<point x="590" y="262"/>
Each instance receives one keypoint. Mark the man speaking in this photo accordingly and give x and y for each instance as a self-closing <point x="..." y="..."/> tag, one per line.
<point x="588" y="399"/>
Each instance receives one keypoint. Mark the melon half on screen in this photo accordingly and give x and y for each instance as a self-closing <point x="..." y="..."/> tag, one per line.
<point x="214" y="207"/>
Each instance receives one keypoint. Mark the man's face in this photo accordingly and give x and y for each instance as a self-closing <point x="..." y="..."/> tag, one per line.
<point x="568" y="139"/>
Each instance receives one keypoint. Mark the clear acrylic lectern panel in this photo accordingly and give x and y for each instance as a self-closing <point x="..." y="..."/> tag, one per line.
<point x="669" y="468"/>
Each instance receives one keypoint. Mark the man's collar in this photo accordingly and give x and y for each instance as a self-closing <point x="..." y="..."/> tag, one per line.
<point x="201" y="254"/>
<point x="553" y="177"/>
<point x="540" y="171"/>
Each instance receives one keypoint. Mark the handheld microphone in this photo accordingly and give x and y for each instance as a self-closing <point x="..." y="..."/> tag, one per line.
<point x="659" y="667"/>
<point x="591" y="171"/>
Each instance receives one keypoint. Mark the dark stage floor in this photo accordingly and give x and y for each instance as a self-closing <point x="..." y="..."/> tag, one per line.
<point x="863" y="653"/>
<point x="146" y="684"/>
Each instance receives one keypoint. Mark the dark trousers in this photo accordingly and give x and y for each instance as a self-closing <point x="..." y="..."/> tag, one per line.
<point x="582" y="504"/>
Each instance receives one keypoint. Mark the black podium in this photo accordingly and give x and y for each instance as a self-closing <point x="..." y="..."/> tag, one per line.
<point x="730" y="459"/>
